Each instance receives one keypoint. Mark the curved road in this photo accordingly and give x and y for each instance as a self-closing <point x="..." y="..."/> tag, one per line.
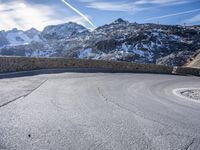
<point x="99" y="111"/>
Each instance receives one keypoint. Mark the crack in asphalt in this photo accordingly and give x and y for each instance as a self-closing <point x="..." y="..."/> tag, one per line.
<point x="35" y="88"/>
<point x="23" y="96"/>
<point x="102" y="95"/>
<point x="190" y="144"/>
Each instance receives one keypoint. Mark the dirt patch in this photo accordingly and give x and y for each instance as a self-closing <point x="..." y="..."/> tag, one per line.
<point x="188" y="93"/>
<point x="192" y="94"/>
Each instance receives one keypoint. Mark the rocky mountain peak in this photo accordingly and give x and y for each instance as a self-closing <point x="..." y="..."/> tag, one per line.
<point x="32" y="32"/>
<point x="13" y="30"/>
<point x="62" y="31"/>
<point x="120" y="20"/>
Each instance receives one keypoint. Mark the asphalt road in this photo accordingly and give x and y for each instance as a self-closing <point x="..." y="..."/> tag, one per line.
<point x="100" y="111"/>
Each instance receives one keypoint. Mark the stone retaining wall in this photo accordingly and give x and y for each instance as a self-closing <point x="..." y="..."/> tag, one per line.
<point x="12" y="64"/>
<point x="188" y="71"/>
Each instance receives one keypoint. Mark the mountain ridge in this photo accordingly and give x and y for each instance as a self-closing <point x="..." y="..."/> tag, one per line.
<point x="120" y="40"/>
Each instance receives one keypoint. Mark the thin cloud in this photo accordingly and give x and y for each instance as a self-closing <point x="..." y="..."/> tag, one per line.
<point x="78" y="12"/>
<point x="86" y="0"/>
<point x="162" y="2"/>
<point x="110" y="6"/>
<point x="194" y="19"/>
<point x="172" y="15"/>
<point x="131" y="6"/>
<point x="117" y="6"/>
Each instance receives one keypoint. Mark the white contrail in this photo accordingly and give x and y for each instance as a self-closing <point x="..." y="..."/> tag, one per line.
<point x="78" y="12"/>
<point x="175" y="14"/>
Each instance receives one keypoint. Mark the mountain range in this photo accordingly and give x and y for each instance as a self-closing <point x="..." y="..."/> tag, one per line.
<point x="120" y="40"/>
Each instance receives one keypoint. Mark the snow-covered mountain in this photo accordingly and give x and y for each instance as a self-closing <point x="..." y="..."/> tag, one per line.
<point x="16" y="37"/>
<point x="119" y="40"/>
<point x="63" y="31"/>
<point x="3" y="39"/>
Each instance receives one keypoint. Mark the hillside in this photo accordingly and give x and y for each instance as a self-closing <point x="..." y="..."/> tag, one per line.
<point x="194" y="61"/>
<point x="119" y="40"/>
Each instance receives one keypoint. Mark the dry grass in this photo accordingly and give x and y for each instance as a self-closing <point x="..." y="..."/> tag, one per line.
<point x="194" y="62"/>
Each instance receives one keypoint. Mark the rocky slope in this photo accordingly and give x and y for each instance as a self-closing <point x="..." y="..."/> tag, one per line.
<point x="194" y="62"/>
<point x="119" y="40"/>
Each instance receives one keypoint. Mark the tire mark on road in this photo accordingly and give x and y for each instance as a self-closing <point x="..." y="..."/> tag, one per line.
<point x="131" y="111"/>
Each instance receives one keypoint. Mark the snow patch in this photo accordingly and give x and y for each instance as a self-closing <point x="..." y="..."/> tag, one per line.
<point x="125" y="47"/>
<point x="17" y="38"/>
<point x="85" y="53"/>
<point x="138" y="52"/>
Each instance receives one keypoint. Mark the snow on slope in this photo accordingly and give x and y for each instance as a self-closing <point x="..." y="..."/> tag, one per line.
<point x="85" y="53"/>
<point x="17" y="38"/>
<point x="40" y="53"/>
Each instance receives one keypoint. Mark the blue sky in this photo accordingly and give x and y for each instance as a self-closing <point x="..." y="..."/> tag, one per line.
<point x="24" y="14"/>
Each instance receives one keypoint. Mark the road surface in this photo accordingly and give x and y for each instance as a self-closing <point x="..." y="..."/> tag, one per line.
<point x="98" y="111"/>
